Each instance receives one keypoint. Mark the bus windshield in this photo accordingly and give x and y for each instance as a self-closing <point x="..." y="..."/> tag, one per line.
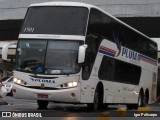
<point x="48" y="56"/>
<point x="55" y="20"/>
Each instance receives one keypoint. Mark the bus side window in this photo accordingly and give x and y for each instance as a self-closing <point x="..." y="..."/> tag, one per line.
<point x="107" y="69"/>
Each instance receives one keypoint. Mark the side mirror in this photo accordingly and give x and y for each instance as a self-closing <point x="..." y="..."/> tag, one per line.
<point x="5" y="50"/>
<point x="81" y="53"/>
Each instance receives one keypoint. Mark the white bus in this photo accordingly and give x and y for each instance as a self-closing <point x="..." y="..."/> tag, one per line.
<point x="77" y="53"/>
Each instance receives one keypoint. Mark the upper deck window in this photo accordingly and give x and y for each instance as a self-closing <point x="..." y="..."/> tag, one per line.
<point x="55" y="20"/>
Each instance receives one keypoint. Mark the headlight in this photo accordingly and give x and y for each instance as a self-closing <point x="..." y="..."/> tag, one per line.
<point x="7" y="85"/>
<point x="68" y="85"/>
<point x="18" y="81"/>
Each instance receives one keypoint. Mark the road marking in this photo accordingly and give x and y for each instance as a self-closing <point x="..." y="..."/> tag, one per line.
<point x="104" y="116"/>
<point x="144" y="109"/>
<point x="121" y="112"/>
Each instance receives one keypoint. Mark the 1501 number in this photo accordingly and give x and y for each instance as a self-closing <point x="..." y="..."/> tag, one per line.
<point x="28" y="29"/>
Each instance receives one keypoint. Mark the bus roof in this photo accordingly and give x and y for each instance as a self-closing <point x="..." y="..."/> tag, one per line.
<point x="76" y="4"/>
<point x="89" y="6"/>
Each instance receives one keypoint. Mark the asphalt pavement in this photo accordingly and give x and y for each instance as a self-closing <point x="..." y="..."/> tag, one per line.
<point x="3" y="101"/>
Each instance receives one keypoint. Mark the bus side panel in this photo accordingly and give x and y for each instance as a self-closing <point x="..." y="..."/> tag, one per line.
<point x="88" y="90"/>
<point x="148" y="81"/>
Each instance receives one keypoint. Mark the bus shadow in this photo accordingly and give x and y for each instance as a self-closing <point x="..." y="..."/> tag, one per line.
<point x="79" y="108"/>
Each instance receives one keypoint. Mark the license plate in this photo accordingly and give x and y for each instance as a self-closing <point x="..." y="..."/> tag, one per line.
<point x="42" y="96"/>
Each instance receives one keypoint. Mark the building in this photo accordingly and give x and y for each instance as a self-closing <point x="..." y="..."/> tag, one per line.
<point x="143" y="15"/>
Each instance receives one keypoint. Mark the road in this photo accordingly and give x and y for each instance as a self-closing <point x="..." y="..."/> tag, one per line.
<point x="64" y="111"/>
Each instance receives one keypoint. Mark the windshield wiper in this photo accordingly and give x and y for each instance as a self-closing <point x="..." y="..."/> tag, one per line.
<point x="64" y="72"/>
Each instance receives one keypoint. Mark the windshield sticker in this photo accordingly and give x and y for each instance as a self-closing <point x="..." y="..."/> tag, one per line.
<point x="40" y="69"/>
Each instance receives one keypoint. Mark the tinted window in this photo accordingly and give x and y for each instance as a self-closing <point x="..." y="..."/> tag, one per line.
<point x="100" y="24"/>
<point x="108" y="28"/>
<point x="48" y="56"/>
<point x="119" y="71"/>
<point x="56" y="20"/>
<point x="138" y="43"/>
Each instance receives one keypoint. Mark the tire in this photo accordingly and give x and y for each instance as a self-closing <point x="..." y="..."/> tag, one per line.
<point x="42" y="104"/>
<point x="146" y="100"/>
<point x="97" y="102"/>
<point x="141" y="102"/>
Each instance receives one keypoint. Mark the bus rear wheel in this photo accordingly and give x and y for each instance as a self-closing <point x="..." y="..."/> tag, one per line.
<point x="141" y="102"/>
<point x="42" y="104"/>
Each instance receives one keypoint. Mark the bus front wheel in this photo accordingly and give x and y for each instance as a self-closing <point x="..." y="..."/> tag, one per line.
<point x="42" y="104"/>
<point x="97" y="102"/>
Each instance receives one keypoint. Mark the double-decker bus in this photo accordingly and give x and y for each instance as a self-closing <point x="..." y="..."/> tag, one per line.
<point x="74" y="53"/>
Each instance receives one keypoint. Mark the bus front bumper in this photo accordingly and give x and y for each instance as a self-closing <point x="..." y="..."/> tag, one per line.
<point x="70" y="95"/>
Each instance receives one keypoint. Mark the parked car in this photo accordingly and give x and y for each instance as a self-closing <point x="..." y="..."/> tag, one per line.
<point x="7" y="82"/>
